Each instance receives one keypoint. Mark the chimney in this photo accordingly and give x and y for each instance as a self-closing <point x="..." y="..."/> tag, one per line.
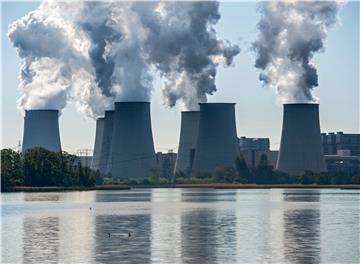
<point x="132" y="149"/>
<point x="95" y="163"/>
<point x="217" y="143"/>
<point x="187" y="143"/>
<point x="300" y="147"/>
<point x="41" y="129"/>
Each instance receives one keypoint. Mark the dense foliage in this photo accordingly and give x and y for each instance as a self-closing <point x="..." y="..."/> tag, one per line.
<point x="41" y="167"/>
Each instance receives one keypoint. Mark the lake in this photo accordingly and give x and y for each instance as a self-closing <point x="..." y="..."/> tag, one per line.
<point x="182" y="226"/>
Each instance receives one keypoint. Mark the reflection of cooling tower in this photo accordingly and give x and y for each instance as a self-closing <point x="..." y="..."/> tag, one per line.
<point x="41" y="129"/>
<point x="95" y="163"/>
<point x="132" y="150"/>
<point x="217" y="144"/>
<point x="300" y="147"/>
<point x="187" y="142"/>
<point x="106" y="140"/>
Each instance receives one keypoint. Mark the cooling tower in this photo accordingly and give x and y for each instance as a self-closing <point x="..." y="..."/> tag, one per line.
<point x="300" y="147"/>
<point x="217" y="144"/>
<point x="95" y="163"/>
<point x="106" y="141"/>
<point x="132" y="150"/>
<point x="187" y="143"/>
<point x="41" y="129"/>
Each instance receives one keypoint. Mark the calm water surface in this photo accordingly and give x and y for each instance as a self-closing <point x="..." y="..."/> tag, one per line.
<point x="182" y="226"/>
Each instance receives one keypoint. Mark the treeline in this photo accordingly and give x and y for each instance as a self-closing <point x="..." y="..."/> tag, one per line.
<point x="265" y="174"/>
<point x="41" y="167"/>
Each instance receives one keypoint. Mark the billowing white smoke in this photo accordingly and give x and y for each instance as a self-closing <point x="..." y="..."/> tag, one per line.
<point x="54" y="61"/>
<point x="290" y="33"/>
<point x="183" y="46"/>
<point x="96" y="53"/>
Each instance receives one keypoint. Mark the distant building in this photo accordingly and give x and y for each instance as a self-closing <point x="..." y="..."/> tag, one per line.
<point x="253" y="149"/>
<point x="85" y="157"/>
<point x="165" y="164"/>
<point x="343" y="162"/>
<point x="253" y="157"/>
<point x="85" y="161"/>
<point x="334" y="142"/>
<point x="262" y="144"/>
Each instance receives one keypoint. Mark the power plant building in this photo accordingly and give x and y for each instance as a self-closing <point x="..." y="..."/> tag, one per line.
<point x="217" y="142"/>
<point x="187" y="142"/>
<point x="334" y="142"/>
<point x="132" y="150"/>
<point x="300" y="146"/>
<point x="41" y="129"/>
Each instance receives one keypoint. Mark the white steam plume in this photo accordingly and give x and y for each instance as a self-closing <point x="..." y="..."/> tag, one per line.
<point x="95" y="53"/>
<point x="290" y="32"/>
<point x="54" y="60"/>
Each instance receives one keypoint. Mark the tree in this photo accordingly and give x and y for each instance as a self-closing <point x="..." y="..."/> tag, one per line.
<point x="225" y="174"/>
<point x="242" y="169"/>
<point x="11" y="169"/>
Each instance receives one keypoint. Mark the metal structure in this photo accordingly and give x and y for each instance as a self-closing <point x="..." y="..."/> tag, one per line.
<point x="187" y="142"/>
<point x="217" y="142"/>
<point x="95" y="163"/>
<point x="300" y="146"/>
<point x="132" y="149"/>
<point x="41" y="129"/>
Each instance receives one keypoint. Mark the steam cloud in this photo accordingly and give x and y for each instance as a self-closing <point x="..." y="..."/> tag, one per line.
<point x="290" y="33"/>
<point x="95" y="53"/>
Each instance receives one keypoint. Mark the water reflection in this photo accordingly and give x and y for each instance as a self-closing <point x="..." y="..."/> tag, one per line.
<point x="182" y="226"/>
<point x="166" y="226"/>
<point x="119" y="247"/>
<point x="198" y="242"/>
<point x="302" y="228"/>
<point x="41" y="240"/>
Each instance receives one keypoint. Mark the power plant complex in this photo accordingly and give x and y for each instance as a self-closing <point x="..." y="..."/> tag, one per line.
<point x="124" y="146"/>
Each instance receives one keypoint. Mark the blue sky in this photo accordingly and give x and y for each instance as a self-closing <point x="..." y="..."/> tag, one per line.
<point x="257" y="113"/>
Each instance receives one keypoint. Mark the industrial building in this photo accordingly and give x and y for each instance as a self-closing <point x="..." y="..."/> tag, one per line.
<point x="333" y="142"/>
<point x="254" y="143"/>
<point x="187" y="142"/>
<point x="41" y="129"/>
<point x="300" y="146"/>
<point x="132" y="151"/>
<point x="165" y="164"/>
<point x="217" y="142"/>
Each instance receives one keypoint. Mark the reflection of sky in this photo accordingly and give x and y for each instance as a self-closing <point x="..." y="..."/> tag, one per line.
<point x="182" y="226"/>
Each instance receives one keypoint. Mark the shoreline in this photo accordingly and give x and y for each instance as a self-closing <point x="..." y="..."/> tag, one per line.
<point x="175" y="186"/>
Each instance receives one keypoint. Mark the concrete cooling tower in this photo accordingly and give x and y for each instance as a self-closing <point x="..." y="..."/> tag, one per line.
<point x="187" y="143"/>
<point x="98" y="142"/>
<point x="300" y="147"/>
<point x="106" y="141"/>
<point x="132" y="150"/>
<point x="217" y="144"/>
<point x="41" y="129"/>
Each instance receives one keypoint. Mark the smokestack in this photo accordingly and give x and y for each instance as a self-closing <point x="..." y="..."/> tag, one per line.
<point x="95" y="163"/>
<point x="132" y="148"/>
<point x="217" y="139"/>
<point x="187" y="143"/>
<point x="41" y="129"/>
<point x="106" y="141"/>
<point x="300" y="147"/>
